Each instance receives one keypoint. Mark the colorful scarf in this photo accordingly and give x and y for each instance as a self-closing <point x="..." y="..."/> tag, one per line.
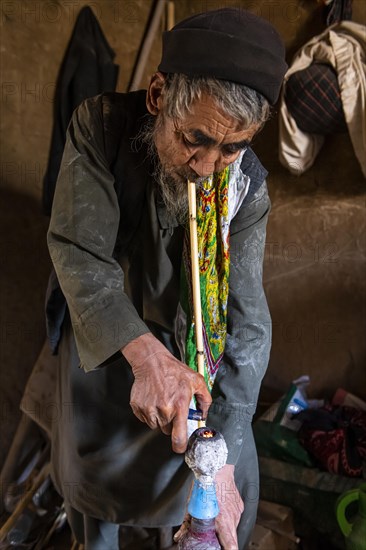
<point x="214" y="263"/>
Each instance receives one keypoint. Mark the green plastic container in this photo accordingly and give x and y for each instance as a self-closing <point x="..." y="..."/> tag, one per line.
<point x="355" y="530"/>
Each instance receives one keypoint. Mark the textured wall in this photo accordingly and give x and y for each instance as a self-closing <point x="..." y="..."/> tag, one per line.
<point x="315" y="272"/>
<point x="35" y="35"/>
<point x="315" y="254"/>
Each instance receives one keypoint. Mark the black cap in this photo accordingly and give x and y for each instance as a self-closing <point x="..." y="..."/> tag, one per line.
<point x="228" y="44"/>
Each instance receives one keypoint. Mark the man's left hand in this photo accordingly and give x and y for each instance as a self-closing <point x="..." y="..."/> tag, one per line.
<point x="231" y="509"/>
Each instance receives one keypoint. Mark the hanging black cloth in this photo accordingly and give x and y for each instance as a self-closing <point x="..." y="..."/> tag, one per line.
<point x="338" y="10"/>
<point x="87" y="70"/>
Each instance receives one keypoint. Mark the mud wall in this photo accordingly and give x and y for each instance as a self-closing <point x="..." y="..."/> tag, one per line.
<point x="315" y="254"/>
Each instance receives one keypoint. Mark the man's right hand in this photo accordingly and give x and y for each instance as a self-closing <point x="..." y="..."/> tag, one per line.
<point x="163" y="389"/>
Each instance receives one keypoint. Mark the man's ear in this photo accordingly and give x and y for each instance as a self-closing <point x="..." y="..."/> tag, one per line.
<point x="154" y="98"/>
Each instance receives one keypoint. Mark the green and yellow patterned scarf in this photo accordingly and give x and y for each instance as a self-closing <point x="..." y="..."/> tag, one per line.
<point x="214" y="262"/>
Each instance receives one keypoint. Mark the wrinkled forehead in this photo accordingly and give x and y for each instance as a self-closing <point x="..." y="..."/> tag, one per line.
<point x="208" y="123"/>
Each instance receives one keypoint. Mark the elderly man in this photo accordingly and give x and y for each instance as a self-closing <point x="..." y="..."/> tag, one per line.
<point x="118" y="239"/>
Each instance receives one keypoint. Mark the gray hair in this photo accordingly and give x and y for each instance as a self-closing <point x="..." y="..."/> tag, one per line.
<point x="236" y="100"/>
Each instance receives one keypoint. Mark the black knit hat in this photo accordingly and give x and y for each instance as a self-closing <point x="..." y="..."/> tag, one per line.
<point x="228" y="44"/>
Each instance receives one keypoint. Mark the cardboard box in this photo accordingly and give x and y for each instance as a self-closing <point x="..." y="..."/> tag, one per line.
<point x="310" y="492"/>
<point x="274" y="528"/>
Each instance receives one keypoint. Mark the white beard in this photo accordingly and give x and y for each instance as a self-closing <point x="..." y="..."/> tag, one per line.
<point x="174" y="192"/>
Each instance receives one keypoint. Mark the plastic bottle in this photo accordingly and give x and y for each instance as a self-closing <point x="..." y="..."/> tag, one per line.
<point x="201" y="536"/>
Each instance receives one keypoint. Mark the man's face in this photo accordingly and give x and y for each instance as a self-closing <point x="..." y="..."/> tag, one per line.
<point x="205" y="141"/>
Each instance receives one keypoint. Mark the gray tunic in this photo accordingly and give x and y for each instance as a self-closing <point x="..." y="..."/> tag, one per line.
<point x="106" y="463"/>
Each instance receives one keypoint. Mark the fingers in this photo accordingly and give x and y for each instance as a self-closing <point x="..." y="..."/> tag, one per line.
<point x="227" y="537"/>
<point x="161" y="396"/>
<point x="184" y="528"/>
<point x="179" y="431"/>
<point x="136" y="411"/>
<point x="231" y="507"/>
<point x="166" y="429"/>
<point x="154" y="418"/>
<point x="203" y="405"/>
<point x="203" y="397"/>
<point x="226" y="525"/>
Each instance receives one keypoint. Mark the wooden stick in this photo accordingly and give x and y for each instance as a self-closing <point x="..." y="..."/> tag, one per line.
<point x="23" y="503"/>
<point x="57" y="523"/>
<point x="146" y="45"/>
<point x="170" y="15"/>
<point x="196" y="279"/>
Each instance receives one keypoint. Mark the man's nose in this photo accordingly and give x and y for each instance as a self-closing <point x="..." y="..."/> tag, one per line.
<point x="205" y="163"/>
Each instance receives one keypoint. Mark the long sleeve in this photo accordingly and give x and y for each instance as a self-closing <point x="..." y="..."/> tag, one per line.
<point x="81" y="238"/>
<point x="237" y="383"/>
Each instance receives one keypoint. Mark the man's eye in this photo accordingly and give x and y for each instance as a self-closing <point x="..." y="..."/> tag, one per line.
<point x="233" y="149"/>
<point x="229" y="151"/>
<point x="189" y="143"/>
